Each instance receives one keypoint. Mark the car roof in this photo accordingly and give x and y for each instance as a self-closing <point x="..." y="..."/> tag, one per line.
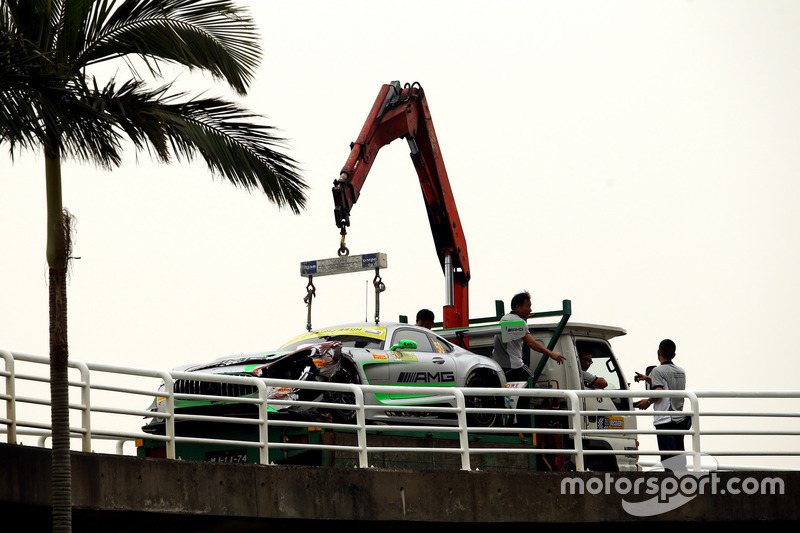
<point x="355" y="329"/>
<point x="387" y="325"/>
<point x="367" y="324"/>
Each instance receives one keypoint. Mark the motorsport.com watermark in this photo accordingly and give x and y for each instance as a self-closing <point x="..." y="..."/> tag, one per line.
<point x="668" y="493"/>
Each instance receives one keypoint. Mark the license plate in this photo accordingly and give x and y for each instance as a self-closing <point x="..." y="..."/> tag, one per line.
<point x="227" y="456"/>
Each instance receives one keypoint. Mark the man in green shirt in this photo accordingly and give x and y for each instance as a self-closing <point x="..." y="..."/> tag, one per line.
<point x="514" y="334"/>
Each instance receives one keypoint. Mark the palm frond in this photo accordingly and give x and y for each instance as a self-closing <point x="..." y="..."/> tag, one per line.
<point x="238" y="148"/>
<point x="21" y="79"/>
<point x="214" y="35"/>
<point x="37" y="99"/>
<point x="233" y="142"/>
<point x="46" y="98"/>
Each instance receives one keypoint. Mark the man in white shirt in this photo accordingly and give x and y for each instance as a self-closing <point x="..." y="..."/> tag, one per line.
<point x="666" y="376"/>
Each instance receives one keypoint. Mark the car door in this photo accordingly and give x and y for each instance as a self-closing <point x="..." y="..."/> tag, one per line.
<point x="430" y="364"/>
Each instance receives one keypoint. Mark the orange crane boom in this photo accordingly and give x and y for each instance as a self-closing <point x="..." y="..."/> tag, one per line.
<point x="402" y="112"/>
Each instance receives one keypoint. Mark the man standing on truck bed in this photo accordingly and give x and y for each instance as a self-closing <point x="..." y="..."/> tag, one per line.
<point x="514" y="334"/>
<point x="425" y="318"/>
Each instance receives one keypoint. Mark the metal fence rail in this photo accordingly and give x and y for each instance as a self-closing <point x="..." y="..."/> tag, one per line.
<point x="109" y="408"/>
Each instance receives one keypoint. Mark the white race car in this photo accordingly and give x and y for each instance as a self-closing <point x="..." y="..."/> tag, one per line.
<point x="393" y="354"/>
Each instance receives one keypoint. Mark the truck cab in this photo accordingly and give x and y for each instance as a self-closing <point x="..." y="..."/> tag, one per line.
<point x="572" y="341"/>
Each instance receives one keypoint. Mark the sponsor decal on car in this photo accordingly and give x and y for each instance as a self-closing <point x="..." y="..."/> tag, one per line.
<point x="406" y="357"/>
<point x="371" y="332"/>
<point x="426" y="377"/>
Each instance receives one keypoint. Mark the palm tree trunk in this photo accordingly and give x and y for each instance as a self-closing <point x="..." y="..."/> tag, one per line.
<point x="59" y="406"/>
<point x="58" y="250"/>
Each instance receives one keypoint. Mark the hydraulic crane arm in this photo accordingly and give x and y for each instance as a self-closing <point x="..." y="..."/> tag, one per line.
<point x="402" y="112"/>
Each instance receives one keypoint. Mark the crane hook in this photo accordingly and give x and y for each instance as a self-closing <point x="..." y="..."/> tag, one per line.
<point x="343" y="250"/>
<point x="377" y="282"/>
<point x="311" y="292"/>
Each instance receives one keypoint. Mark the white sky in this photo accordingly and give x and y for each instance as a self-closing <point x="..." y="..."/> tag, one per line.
<point x="639" y="158"/>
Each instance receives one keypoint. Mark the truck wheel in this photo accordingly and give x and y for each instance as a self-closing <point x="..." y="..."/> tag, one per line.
<point x="483" y="420"/>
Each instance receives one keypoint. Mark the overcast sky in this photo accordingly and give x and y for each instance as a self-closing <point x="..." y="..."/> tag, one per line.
<point x="639" y="158"/>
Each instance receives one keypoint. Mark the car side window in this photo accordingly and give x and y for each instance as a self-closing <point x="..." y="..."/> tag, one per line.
<point x="422" y="340"/>
<point x="440" y="345"/>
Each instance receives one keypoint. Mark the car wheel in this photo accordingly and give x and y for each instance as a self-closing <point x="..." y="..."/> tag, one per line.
<point x="484" y="420"/>
<point x="346" y="374"/>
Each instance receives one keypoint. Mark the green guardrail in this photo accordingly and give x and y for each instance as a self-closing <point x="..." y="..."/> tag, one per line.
<point x="384" y="436"/>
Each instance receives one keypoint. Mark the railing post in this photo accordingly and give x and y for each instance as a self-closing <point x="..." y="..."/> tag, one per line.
<point x="361" y="422"/>
<point x="575" y="406"/>
<point x="263" y="423"/>
<point x="695" y="434"/>
<point x="11" y="402"/>
<point x="86" y="405"/>
<point x="169" y="412"/>
<point x="463" y="431"/>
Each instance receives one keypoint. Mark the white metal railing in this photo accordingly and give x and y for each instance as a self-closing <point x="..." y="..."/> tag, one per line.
<point x="108" y="407"/>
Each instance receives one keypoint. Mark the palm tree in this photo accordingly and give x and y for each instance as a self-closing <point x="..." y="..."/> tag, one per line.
<point x="49" y="101"/>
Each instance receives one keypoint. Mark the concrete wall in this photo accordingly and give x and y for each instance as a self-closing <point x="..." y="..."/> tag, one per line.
<point x="134" y="493"/>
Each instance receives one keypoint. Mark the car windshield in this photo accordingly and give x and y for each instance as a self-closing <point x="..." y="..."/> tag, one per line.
<point x="348" y="341"/>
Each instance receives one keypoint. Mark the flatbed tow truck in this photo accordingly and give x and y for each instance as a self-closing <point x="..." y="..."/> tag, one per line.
<point x="406" y="448"/>
<point x="403" y="112"/>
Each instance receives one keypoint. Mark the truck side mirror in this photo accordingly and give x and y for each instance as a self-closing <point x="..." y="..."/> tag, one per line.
<point x="648" y="371"/>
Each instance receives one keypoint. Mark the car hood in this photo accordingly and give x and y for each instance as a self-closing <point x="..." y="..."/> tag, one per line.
<point x="236" y="363"/>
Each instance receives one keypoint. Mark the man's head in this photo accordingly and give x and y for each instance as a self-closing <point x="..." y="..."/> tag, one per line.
<point x="521" y="304"/>
<point x="425" y="318"/>
<point x="586" y="361"/>
<point x="666" y="349"/>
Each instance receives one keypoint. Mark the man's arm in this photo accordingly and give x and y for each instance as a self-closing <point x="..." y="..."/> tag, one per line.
<point x="537" y="346"/>
<point x="647" y="402"/>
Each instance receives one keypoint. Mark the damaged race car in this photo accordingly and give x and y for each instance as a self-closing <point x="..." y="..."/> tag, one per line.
<point x="393" y="354"/>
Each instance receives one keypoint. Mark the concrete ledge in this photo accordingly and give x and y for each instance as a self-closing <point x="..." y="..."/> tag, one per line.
<point x="132" y="490"/>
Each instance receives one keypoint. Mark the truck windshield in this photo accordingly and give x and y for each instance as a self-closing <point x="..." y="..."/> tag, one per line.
<point x="603" y="363"/>
<point x="604" y="366"/>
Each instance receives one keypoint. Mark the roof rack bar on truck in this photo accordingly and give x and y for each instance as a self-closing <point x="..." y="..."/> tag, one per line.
<point x="565" y="313"/>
